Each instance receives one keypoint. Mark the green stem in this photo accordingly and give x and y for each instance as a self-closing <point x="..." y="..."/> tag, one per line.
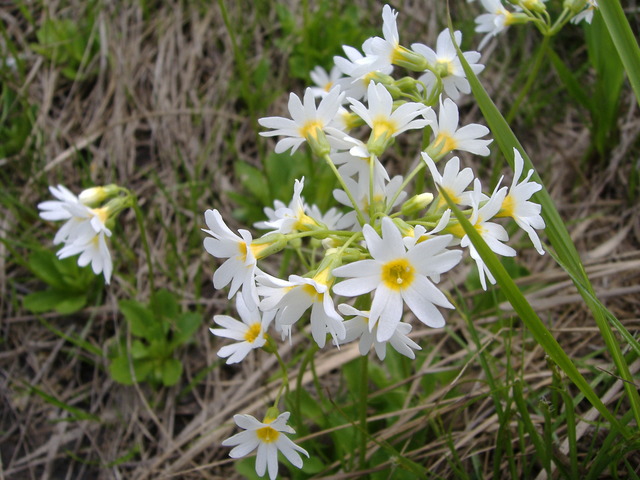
<point x="285" y="378"/>
<point x="532" y="77"/>
<point x="145" y="241"/>
<point x="359" y="214"/>
<point x="415" y="171"/>
<point x="362" y="409"/>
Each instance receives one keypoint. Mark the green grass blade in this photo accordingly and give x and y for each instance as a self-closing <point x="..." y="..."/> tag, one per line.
<point x="542" y="452"/>
<point x="530" y="319"/>
<point x="624" y="40"/>
<point x="555" y="228"/>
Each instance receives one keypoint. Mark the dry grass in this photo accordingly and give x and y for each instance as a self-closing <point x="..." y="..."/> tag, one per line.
<point x="163" y="109"/>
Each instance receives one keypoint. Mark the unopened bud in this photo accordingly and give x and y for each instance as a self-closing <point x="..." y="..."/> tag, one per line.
<point x="408" y="59"/>
<point x="416" y="203"/>
<point x="95" y="195"/>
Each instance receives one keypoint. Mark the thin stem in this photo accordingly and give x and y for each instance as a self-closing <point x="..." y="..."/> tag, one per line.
<point x="285" y="378"/>
<point x="145" y="242"/>
<point x="362" y="409"/>
<point x="532" y="77"/>
<point x="415" y="171"/>
<point x="359" y="214"/>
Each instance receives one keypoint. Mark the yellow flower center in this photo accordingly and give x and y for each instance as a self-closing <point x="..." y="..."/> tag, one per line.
<point x="442" y="201"/>
<point x="398" y="274"/>
<point x="508" y="207"/>
<point x="456" y="230"/>
<point x="101" y="213"/>
<point x="255" y="249"/>
<point x="310" y="129"/>
<point x="383" y="127"/>
<point x="328" y="86"/>
<point x="267" y="434"/>
<point x="445" y="142"/>
<point x="444" y="68"/>
<point x="253" y="332"/>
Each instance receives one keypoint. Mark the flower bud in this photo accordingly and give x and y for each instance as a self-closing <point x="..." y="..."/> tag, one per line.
<point x="534" y="5"/>
<point x="416" y="203"/>
<point x="409" y="59"/>
<point x="95" y="195"/>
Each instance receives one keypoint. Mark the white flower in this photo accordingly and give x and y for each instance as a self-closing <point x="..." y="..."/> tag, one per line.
<point x="306" y="121"/>
<point x="386" y="123"/>
<point x="250" y="333"/>
<point x="453" y="180"/>
<point x="241" y="254"/>
<point x="398" y="274"/>
<point x="492" y="233"/>
<point x="360" y="69"/>
<point x="383" y="192"/>
<point x="449" y="137"/>
<point x="92" y="250"/>
<point x="517" y="205"/>
<point x="587" y="13"/>
<point x="446" y="62"/>
<point x="294" y="297"/>
<point x="358" y="327"/>
<point x="385" y="49"/>
<point x="329" y="219"/>
<point x="291" y="218"/>
<point x="268" y="437"/>
<point x="324" y="81"/>
<point x="494" y="22"/>
<point x="83" y="232"/>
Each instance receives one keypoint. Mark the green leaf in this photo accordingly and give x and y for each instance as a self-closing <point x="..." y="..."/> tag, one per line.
<point x="61" y="301"/>
<point x="45" y="265"/>
<point x="253" y="180"/>
<point x="141" y="320"/>
<point x="164" y="303"/>
<point x="121" y="373"/>
<point x="171" y="371"/>
<point x="625" y="41"/>
<point x="186" y="325"/>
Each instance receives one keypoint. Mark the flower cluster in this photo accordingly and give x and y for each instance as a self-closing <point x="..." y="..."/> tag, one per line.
<point x="385" y="249"/>
<point x="85" y="230"/>
<point x="497" y="18"/>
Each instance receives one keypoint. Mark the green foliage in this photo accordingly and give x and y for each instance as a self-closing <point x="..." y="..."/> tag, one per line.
<point x="159" y="329"/>
<point x="275" y="182"/>
<point x="16" y="121"/>
<point x="71" y="288"/>
<point x="322" y="34"/>
<point x="68" y="45"/>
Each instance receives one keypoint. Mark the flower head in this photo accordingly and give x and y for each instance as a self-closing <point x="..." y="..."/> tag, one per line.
<point x="307" y="123"/>
<point x="495" y="21"/>
<point x="517" y="205"/>
<point x="290" y="299"/>
<point x="449" y="137"/>
<point x="250" y="333"/>
<point x="358" y="327"/>
<point x="453" y="180"/>
<point x="268" y="437"/>
<point x="492" y="233"/>
<point x="83" y="232"/>
<point x="398" y="275"/>
<point x="385" y="122"/>
<point x="241" y="253"/>
<point x="446" y="62"/>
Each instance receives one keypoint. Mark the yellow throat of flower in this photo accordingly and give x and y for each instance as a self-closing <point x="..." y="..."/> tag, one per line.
<point x="267" y="434"/>
<point x="310" y="129"/>
<point x="398" y="274"/>
<point x="253" y="332"/>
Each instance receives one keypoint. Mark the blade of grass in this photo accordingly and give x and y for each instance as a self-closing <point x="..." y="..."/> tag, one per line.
<point x="530" y="319"/>
<point x="538" y="443"/>
<point x="555" y="227"/>
<point x="624" y="40"/>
